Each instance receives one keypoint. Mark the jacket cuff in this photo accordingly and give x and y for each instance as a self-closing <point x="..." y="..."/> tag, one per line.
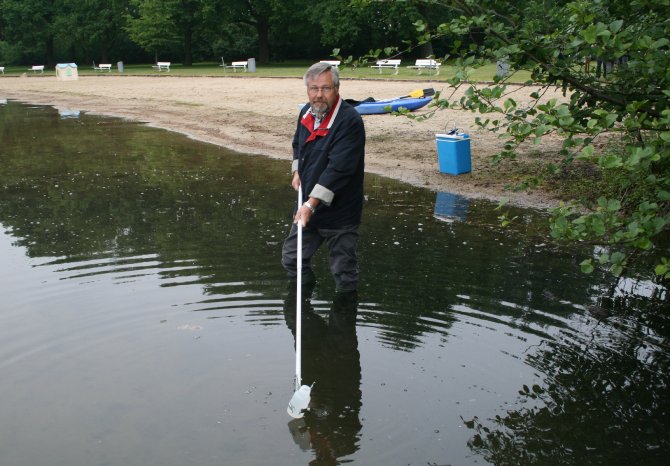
<point x="294" y="165"/>
<point x="323" y="194"/>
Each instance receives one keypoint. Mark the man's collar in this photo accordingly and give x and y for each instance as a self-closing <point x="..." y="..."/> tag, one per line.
<point x="308" y="121"/>
<point x="327" y="121"/>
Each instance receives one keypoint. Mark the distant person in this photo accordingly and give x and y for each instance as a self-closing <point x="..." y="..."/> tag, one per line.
<point x="329" y="162"/>
<point x="605" y="65"/>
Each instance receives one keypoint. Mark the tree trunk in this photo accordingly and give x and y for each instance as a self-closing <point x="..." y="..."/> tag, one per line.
<point x="51" y="61"/>
<point x="188" y="47"/>
<point x="426" y="49"/>
<point x="263" y="30"/>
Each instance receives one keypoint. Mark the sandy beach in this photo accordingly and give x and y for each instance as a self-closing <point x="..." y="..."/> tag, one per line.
<point x="258" y="116"/>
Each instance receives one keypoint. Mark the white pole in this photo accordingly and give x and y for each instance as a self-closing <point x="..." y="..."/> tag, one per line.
<point x="298" y="310"/>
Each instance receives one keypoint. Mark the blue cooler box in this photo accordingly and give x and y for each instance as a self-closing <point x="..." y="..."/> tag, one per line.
<point x="453" y="153"/>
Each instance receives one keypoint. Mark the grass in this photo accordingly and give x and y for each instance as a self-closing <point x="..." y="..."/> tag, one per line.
<point x="293" y="69"/>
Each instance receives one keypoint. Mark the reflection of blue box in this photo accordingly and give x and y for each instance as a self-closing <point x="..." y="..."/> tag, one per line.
<point x="450" y="206"/>
<point x="453" y="153"/>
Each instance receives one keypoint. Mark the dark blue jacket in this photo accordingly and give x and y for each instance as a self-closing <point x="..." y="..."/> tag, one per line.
<point x="332" y="158"/>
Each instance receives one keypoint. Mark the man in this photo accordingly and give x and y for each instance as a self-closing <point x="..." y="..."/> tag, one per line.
<point x="328" y="161"/>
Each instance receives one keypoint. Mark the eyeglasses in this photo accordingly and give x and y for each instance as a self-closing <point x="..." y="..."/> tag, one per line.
<point x="324" y="89"/>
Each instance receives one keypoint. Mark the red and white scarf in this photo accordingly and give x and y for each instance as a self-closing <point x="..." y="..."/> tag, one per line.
<point x="327" y="121"/>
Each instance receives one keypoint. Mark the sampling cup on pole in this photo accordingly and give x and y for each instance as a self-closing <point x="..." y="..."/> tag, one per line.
<point x="300" y="399"/>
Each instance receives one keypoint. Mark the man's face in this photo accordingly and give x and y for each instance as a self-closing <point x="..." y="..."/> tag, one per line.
<point x="322" y="93"/>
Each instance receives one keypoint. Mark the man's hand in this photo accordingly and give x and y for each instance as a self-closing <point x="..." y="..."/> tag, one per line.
<point x="303" y="215"/>
<point x="305" y="211"/>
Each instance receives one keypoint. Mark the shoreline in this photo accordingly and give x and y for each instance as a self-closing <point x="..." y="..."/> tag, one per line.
<point x="257" y="116"/>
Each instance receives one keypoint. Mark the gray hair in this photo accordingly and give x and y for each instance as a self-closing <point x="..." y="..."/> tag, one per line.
<point x="318" y="69"/>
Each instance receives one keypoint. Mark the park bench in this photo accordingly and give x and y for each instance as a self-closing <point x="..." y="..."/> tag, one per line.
<point x="239" y="64"/>
<point x="103" y="67"/>
<point x="36" y="68"/>
<point x="235" y="65"/>
<point x="335" y="63"/>
<point x="426" y="64"/>
<point x="162" y="65"/>
<point x="388" y="63"/>
<point x="2" y="69"/>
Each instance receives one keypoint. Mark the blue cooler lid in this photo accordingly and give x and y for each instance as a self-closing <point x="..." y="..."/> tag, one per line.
<point x="452" y="136"/>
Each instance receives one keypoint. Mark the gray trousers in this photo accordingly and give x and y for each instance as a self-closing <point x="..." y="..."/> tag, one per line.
<point x="341" y="243"/>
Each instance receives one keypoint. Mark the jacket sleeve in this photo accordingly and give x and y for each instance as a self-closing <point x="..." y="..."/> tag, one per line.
<point x="345" y="154"/>
<point x="296" y="143"/>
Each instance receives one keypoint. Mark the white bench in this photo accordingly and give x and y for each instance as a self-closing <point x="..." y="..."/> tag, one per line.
<point x="103" y="67"/>
<point x="36" y="68"/>
<point x="239" y="64"/>
<point x="426" y="64"/>
<point x="162" y="65"/>
<point x="389" y="63"/>
<point x="2" y="69"/>
<point x="335" y="63"/>
<point x="235" y="65"/>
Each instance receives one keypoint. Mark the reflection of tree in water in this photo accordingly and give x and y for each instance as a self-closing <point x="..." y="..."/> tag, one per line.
<point x="330" y="360"/>
<point x="606" y="399"/>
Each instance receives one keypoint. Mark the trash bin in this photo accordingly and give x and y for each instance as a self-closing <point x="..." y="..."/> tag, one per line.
<point x="502" y="68"/>
<point x="119" y="66"/>
<point x="453" y="153"/>
<point x="251" y="65"/>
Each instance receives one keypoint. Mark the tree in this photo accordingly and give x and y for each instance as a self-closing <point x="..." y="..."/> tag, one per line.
<point x="97" y="25"/>
<point x="617" y="123"/>
<point x="381" y="23"/>
<point x="150" y="24"/>
<point x="31" y="24"/>
<point x="258" y="15"/>
<point x="159" y="25"/>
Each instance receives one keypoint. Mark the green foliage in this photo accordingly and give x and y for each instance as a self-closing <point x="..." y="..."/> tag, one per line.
<point x="31" y="24"/>
<point x="94" y="25"/>
<point x="624" y="99"/>
<point x="151" y="24"/>
<point x="8" y="53"/>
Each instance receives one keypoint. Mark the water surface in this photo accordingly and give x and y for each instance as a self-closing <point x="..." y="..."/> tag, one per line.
<point x="146" y="320"/>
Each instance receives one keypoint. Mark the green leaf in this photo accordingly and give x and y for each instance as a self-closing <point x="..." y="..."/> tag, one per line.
<point x="615" y="26"/>
<point x="510" y="104"/>
<point x="613" y="205"/>
<point x="502" y="202"/>
<point x="598" y="226"/>
<point x="643" y="243"/>
<point x="590" y="34"/>
<point x="660" y="43"/>
<point x="420" y="26"/>
<point x="611" y="161"/>
<point x="586" y="266"/>
<point x="618" y="257"/>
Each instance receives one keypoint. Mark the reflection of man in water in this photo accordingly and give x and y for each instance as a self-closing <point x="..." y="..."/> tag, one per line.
<point x="330" y="360"/>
